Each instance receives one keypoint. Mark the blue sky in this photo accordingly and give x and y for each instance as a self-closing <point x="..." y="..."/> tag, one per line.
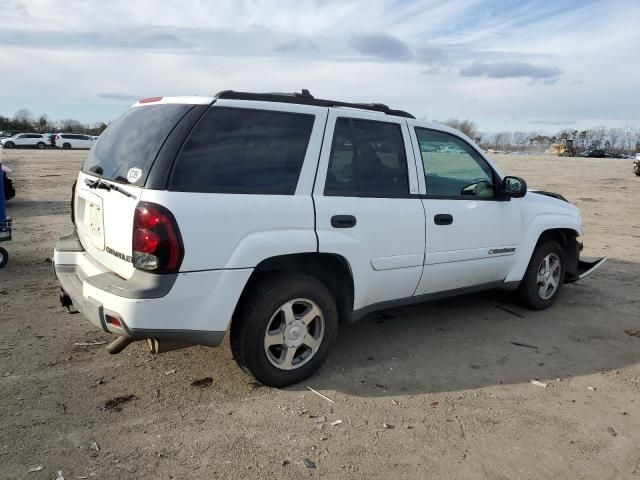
<point x="508" y="65"/>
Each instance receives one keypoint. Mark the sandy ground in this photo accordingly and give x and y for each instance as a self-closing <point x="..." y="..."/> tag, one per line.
<point x="445" y="377"/>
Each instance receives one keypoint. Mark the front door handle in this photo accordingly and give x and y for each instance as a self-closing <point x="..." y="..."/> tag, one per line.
<point x="343" y="221"/>
<point x="443" y="219"/>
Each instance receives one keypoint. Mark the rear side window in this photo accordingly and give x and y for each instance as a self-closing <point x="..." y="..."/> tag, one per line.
<point x="367" y="160"/>
<point x="128" y="147"/>
<point x="233" y="150"/>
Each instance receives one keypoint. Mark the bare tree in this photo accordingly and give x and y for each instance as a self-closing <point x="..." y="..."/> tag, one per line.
<point x="520" y="139"/>
<point x="615" y="135"/>
<point x="598" y="136"/>
<point x="468" y="127"/>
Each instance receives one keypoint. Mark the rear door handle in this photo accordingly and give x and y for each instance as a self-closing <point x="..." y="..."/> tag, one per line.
<point x="443" y="219"/>
<point x="343" y="221"/>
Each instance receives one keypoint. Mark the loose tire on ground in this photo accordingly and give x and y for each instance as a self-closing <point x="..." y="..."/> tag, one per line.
<point x="543" y="271"/>
<point x="260" y="311"/>
<point x="4" y="257"/>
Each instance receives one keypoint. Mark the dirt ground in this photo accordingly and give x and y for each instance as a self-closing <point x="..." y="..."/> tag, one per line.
<point x="447" y="379"/>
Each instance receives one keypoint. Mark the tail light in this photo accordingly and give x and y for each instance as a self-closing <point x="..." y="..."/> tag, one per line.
<point x="157" y="245"/>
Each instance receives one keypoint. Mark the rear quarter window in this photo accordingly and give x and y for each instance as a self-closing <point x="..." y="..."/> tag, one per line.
<point x="233" y="150"/>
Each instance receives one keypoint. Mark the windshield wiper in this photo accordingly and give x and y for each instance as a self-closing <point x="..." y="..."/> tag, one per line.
<point x="99" y="184"/>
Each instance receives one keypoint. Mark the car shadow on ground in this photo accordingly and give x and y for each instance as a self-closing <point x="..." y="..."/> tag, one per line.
<point x="487" y="339"/>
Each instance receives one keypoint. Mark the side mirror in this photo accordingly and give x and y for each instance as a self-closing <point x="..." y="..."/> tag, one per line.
<point x="514" y="187"/>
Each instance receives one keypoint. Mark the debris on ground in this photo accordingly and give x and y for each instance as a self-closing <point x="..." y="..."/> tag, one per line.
<point x="170" y="372"/>
<point x="387" y="425"/>
<point x="395" y="402"/>
<point x="612" y="431"/>
<point x="90" y="344"/>
<point x="285" y="463"/>
<point x="308" y="463"/>
<point x="508" y="310"/>
<point x="318" y="393"/>
<point x="434" y="404"/>
<point x="202" y="382"/>
<point x="59" y="475"/>
<point x="337" y="422"/>
<point x="94" y="446"/>
<point x="321" y="419"/>
<point x="526" y="345"/>
<point x="127" y="467"/>
<point x="538" y="383"/>
<point x="37" y="468"/>
<point x="593" y="389"/>
<point x="633" y="333"/>
<point x="115" y="404"/>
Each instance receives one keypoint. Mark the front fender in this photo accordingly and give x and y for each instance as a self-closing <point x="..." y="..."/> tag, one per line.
<point x="540" y="224"/>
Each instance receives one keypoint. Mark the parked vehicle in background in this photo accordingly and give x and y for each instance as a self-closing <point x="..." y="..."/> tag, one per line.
<point x="277" y="216"/>
<point x="73" y="140"/>
<point x="593" y="153"/>
<point x="636" y="165"/>
<point x="25" y="140"/>
<point x="9" y="133"/>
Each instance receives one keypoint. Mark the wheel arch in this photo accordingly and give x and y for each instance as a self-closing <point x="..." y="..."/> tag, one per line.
<point x="560" y="228"/>
<point x="332" y="270"/>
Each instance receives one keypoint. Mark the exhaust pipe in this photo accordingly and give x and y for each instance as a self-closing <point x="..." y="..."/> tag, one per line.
<point x="119" y="344"/>
<point x="157" y="346"/>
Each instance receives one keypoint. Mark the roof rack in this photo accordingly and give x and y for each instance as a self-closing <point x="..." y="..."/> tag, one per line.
<point x="305" y="98"/>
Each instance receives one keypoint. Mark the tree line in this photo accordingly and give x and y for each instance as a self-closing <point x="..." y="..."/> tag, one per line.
<point x="613" y="140"/>
<point x="25" y="121"/>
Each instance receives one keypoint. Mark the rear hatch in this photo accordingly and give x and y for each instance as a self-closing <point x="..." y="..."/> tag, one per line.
<point x="113" y="177"/>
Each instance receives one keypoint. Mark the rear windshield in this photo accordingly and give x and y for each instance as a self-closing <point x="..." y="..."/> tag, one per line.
<point x="234" y="150"/>
<point x="127" y="148"/>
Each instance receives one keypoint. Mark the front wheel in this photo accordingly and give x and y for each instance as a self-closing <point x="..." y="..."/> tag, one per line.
<point x="283" y="329"/>
<point x="66" y="146"/>
<point x="4" y="257"/>
<point x="544" y="276"/>
<point x="9" y="145"/>
<point x="41" y="145"/>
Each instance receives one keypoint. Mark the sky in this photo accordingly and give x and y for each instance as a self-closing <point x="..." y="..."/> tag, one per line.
<point x="505" y="64"/>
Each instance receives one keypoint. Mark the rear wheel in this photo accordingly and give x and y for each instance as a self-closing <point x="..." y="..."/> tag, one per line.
<point x="543" y="279"/>
<point x="283" y="329"/>
<point x="4" y="257"/>
<point x="9" y="145"/>
<point x="66" y="146"/>
<point x="41" y="145"/>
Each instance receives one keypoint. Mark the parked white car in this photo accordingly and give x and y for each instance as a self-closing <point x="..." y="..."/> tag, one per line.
<point x="25" y="140"/>
<point x="74" y="140"/>
<point x="279" y="216"/>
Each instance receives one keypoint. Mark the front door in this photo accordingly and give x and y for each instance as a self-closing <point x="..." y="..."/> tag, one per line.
<point x="364" y="208"/>
<point x="471" y="235"/>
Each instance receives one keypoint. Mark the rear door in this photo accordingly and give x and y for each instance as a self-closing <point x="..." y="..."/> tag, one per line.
<point x="123" y="157"/>
<point x="364" y="208"/>
<point x="471" y="235"/>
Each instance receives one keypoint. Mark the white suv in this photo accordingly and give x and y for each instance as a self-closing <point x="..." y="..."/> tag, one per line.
<point x="25" y="140"/>
<point x="278" y="216"/>
<point x="73" y="140"/>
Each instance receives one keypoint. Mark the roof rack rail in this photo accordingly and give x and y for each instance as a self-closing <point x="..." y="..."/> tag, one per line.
<point x="304" y="97"/>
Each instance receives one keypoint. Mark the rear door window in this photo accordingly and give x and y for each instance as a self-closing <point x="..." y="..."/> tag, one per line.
<point x="234" y="150"/>
<point x="130" y="144"/>
<point x="367" y="160"/>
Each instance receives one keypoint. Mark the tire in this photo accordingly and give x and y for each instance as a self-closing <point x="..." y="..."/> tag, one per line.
<point x="4" y="257"/>
<point x="537" y="290"/>
<point x="9" y="145"/>
<point x="66" y="146"/>
<point x="41" y="146"/>
<point x="264" y="309"/>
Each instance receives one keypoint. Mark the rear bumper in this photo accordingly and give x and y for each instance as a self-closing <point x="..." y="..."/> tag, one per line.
<point x="194" y="307"/>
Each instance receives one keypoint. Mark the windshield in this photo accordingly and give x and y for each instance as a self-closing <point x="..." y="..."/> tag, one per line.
<point x="127" y="149"/>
